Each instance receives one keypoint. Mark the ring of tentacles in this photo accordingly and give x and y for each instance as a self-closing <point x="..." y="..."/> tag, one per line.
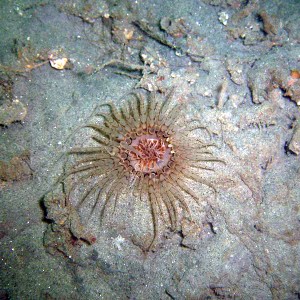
<point x="144" y="148"/>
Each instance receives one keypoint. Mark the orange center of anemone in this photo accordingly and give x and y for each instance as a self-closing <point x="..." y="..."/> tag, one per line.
<point x="151" y="155"/>
<point x="147" y="154"/>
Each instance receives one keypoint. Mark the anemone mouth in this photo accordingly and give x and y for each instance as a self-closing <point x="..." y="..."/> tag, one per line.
<point x="143" y="149"/>
<point x="147" y="154"/>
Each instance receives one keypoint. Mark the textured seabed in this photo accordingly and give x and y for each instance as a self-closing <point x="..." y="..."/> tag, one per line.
<point x="237" y="66"/>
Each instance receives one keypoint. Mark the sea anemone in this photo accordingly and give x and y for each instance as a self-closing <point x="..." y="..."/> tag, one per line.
<point x="144" y="148"/>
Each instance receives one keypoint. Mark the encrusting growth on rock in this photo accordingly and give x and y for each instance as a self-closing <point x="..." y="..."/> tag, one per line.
<point x="147" y="149"/>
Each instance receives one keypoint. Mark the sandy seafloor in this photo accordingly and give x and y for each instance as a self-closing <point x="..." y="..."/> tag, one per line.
<point x="235" y="63"/>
